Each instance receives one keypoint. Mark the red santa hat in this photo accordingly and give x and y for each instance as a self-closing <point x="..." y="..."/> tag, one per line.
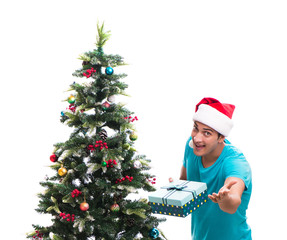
<point x="215" y="114"/>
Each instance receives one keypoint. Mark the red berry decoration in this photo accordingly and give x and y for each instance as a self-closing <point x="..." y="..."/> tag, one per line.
<point x="152" y="180"/>
<point x="72" y="107"/>
<point x="39" y="235"/>
<point x="68" y="217"/>
<point x="53" y="158"/>
<point x="76" y="193"/>
<point x="131" y="119"/>
<point x="127" y="178"/>
<point x="100" y="144"/>
<point x="111" y="163"/>
<point x="89" y="72"/>
<point x="91" y="147"/>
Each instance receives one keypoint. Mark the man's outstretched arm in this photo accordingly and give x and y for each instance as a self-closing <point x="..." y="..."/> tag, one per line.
<point x="229" y="196"/>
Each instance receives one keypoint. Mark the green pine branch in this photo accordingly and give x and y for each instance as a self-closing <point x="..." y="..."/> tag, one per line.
<point x="103" y="36"/>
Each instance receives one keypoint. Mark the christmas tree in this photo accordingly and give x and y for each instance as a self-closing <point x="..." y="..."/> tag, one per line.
<point x="97" y="167"/>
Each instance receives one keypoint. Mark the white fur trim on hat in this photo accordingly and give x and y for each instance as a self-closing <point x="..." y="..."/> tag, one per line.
<point x="214" y="119"/>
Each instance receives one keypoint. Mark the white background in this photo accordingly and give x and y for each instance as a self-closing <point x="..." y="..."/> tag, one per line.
<point x="179" y="52"/>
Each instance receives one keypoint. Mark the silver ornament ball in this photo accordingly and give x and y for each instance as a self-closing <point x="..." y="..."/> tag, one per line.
<point x="137" y="164"/>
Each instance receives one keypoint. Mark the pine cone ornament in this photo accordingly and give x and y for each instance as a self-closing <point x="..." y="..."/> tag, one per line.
<point x="118" y="198"/>
<point x="103" y="134"/>
<point x="85" y="63"/>
<point x="130" y="222"/>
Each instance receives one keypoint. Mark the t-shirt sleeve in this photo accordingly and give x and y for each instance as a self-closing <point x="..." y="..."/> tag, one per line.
<point x="237" y="166"/>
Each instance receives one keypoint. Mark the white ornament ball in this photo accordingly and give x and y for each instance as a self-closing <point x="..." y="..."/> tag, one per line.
<point x="137" y="164"/>
<point x="138" y="236"/>
<point x="112" y="99"/>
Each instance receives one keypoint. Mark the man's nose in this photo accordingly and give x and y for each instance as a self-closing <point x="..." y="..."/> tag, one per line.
<point x="197" y="137"/>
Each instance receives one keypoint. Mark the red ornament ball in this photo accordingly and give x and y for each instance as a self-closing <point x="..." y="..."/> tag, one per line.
<point x="84" y="206"/>
<point x="53" y="158"/>
<point x="106" y="105"/>
<point x="115" y="207"/>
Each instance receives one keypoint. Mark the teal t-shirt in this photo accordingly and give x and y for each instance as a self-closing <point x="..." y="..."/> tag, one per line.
<point x="209" y="222"/>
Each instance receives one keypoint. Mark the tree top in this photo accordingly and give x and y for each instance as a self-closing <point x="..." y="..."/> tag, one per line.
<point x="103" y="36"/>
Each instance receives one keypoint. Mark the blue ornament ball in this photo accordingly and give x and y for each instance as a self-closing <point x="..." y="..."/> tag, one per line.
<point x="154" y="233"/>
<point x="109" y="71"/>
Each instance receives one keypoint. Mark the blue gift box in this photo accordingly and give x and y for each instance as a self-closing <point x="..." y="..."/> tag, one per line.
<point x="179" y="198"/>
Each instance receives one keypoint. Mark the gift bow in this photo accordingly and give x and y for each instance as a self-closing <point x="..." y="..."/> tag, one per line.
<point x="172" y="189"/>
<point x="176" y="187"/>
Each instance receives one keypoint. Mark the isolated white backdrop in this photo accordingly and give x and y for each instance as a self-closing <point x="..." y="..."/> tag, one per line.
<point x="179" y="52"/>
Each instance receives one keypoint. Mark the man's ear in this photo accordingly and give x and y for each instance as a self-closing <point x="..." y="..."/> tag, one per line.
<point x="221" y="138"/>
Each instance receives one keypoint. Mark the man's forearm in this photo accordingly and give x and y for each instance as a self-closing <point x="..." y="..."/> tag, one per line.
<point x="230" y="204"/>
<point x="183" y="173"/>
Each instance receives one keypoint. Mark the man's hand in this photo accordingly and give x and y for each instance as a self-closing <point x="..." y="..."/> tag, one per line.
<point x="222" y="194"/>
<point x="229" y="196"/>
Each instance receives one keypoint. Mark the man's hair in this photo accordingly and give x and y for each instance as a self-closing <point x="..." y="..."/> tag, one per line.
<point x="219" y="135"/>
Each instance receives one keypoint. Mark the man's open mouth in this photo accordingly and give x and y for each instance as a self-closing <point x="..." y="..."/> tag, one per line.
<point x="199" y="146"/>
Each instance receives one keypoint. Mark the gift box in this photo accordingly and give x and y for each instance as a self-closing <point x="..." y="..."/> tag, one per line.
<point x="180" y="198"/>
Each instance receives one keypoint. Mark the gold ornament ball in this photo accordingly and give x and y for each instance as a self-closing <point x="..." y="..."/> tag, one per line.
<point x="71" y="99"/>
<point x="133" y="136"/>
<point x="62" y="171"/>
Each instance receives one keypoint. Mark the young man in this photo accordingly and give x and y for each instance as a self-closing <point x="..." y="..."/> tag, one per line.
<point x="212" y="159"/>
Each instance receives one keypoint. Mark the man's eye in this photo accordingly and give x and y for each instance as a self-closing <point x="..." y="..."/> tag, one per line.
<point x="207" y="133"/>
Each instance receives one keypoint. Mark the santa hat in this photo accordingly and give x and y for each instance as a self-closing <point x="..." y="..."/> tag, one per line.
<point x="215" y="114"/>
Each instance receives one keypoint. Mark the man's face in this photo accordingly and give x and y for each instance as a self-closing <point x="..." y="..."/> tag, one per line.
<point x="205" y="139"/>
